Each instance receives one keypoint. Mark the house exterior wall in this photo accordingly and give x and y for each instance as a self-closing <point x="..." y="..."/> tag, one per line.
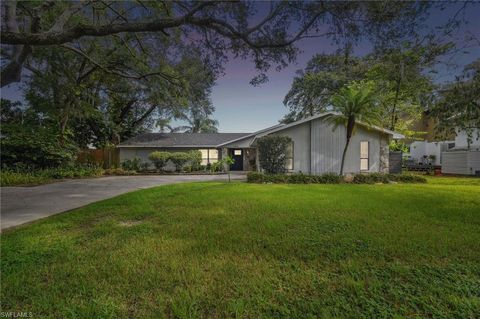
<point x="300" y="135"/>
<point x="461" y="139"/>
<point x="327" y="146"/>
<point x="419" y="149"/>
<point x="461" y="162"/>
<point x="144" y="152"/>
<point x="318" y="148"/>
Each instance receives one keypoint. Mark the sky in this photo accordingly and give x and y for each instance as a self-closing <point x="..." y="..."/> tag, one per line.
<point x="241" y="107"/>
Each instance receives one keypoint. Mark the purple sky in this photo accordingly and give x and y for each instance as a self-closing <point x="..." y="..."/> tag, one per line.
<point x="241" y="107"/>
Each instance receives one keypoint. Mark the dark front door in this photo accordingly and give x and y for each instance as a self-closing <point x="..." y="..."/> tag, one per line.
<point x="237" y="155"/>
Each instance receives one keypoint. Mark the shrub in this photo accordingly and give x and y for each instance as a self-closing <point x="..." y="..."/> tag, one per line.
<point x="387" y="178"/>
<point x="332" y="178"/>
<point x="26" y="176"/>
<point x="119" y="172"/>
<point x="272" y="152"/>
<point x="216" y="167"/>
<point x="134" y="164"/>
<point x="300" y="179"/>
<point x="407" y="178"/>
<point x="11" y="178"/>
<point x="255" y="177"/>
<point x="195" y="158"/>
<point x="159" y="159"/>
<point x="370" y="178"/>
<point x="35" y="147"/>
<point x="179" y="159"/>
<point x="329" y="178"/>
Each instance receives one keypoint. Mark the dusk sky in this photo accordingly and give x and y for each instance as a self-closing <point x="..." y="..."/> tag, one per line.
<point x="241" y="107"/>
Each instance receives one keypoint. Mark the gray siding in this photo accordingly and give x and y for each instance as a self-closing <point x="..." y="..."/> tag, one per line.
<point x="300" y="135"/>
<point x="318" y="147"/>
<point x="328" y="143"/>
<point x="461" y="162"/>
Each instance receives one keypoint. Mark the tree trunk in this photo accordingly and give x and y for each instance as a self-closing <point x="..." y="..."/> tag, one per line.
<point x="395" y="101"/>
<point x="350" y="126"/>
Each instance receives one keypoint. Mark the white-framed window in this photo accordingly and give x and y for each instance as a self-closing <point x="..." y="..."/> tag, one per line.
<point x="364" y="163"/>
<point x="237" y="152"/>
<point x="289" y="157"/>
<point x="209" y="156"/>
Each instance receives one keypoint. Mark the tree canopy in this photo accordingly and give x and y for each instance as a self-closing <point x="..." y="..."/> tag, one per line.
<point x="216" y="28"/>
<point x="458" y="104"/>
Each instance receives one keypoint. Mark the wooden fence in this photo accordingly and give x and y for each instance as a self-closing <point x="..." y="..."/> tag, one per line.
<point x="106" y="157"/>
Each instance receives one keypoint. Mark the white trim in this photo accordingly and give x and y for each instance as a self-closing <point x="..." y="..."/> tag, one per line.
<point x="377" y="128"/>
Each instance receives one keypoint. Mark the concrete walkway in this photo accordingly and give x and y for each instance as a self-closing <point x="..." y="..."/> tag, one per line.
<point x="25" y="204"/>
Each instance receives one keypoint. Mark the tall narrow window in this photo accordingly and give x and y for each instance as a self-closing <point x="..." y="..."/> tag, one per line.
<point x="364" y="165"/>
<point x="289" y="157"/>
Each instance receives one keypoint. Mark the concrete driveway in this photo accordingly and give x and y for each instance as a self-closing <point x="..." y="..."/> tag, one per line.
<point x="24" y="204"/>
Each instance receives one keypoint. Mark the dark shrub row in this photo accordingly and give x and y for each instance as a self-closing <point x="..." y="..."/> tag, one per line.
<point x="374" y="178"/>
<point x="331" y="178"/>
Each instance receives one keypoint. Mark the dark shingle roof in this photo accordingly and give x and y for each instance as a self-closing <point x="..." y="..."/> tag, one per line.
<point x="181" y="139"/>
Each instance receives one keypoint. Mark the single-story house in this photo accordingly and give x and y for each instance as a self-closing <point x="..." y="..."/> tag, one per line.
<point x="317" y="146"/>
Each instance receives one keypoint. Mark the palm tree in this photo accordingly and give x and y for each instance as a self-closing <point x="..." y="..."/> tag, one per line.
<point x="355" y="102"/>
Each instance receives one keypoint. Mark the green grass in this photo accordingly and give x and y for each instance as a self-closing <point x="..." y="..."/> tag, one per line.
<point x="217" y="250"/>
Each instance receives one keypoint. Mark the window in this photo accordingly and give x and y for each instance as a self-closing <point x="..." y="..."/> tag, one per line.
<point x="364" y="165"/>
<point x="237" y="152"/>
<point x="209" y="156"/>
<point x="289" y="157"/>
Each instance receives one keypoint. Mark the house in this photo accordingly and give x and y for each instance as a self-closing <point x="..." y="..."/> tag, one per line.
<point x="317" y="146"/>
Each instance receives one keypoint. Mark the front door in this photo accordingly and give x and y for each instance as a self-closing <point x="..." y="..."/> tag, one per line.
<point x="237" y="155"/>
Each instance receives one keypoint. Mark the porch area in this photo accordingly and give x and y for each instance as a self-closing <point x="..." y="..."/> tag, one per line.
<point x="245" y="158"/>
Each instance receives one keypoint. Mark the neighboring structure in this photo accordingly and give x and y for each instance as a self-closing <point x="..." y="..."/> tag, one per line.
<point x="317" y="146"/>
<point x="464" y="157"/>
<point x="423" y="152"/>
<point x="459" y="156"/>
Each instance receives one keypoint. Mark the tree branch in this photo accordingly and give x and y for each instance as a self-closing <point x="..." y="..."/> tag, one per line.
<point x="80" y="30"/>
<point x="170" y="79"/>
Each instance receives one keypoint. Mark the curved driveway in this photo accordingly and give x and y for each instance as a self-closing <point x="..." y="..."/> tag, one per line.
<point x="24" y="204"/>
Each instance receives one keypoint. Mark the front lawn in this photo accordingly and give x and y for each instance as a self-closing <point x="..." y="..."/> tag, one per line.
<point x="248" y="250"/>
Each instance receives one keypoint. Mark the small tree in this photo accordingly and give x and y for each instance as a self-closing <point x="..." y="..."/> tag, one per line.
<point x="354" y="102"/>
<point x="179" y="159"/>
<point x="273" y="153"/>
<point x="228" y="161"/>
<point x="159" y="159"/>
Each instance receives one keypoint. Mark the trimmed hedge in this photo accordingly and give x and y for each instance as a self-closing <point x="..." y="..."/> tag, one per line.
<point x="332" y="178"/>
<point x="328" y="178"/>
<point x="375" y="178"/>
